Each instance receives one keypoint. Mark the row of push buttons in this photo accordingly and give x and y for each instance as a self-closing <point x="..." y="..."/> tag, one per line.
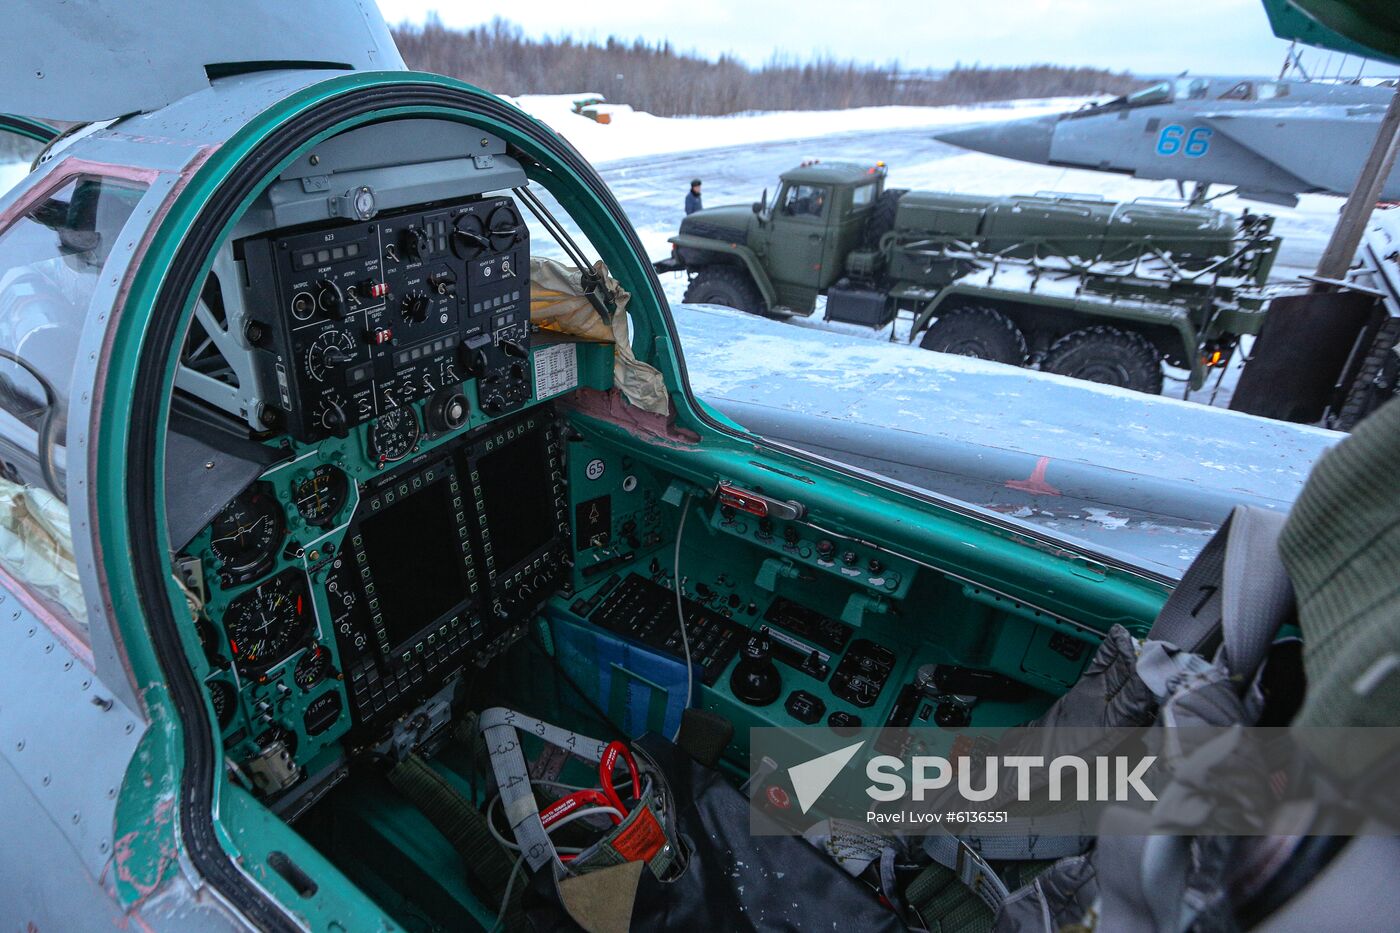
<point x="319" y="257"/>
<point x="646" y="611"/>
<point x="490" y="303"/>
<point x="413" y="354"/>
<point x="428" y="661"/>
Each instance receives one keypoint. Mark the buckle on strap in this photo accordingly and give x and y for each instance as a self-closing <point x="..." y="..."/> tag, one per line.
<point x="973" y="871"/>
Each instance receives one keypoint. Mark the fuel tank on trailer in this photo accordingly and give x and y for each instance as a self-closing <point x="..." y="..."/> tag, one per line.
<point x="1021" y="226"/>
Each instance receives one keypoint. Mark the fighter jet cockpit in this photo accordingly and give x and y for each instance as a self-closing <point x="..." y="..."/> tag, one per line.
<point x="400" y="435"/>
<point x="391" y="506"/>
<point x="345" y="434"/>
<point x="414" y="470"/>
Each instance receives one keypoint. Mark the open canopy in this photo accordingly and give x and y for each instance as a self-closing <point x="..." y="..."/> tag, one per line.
<point x="97" y="60"/>
<point x="1368" y="28"/>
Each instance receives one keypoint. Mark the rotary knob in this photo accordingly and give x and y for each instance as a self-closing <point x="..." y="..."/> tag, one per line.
<point x="416" y="243"/>
<point x="329" y="298"/>
<point x="504" y="228"/>
<point x="469" y="238"/>
<point x="333" y="419"/>
<point x="414" y="307"/>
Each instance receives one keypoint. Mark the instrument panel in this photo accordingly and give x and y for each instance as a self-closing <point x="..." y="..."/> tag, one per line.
<point x="341" y="592"/>
<point x="358" y="321"/>
<point x="419" y="519"/>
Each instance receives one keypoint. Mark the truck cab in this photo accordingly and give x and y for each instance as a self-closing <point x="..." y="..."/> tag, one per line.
<point x="817" y="218"/>
<point x="780" y="255"/>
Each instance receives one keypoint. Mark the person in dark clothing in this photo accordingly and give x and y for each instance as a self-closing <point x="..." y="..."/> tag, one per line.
<point x="692" y="200"/>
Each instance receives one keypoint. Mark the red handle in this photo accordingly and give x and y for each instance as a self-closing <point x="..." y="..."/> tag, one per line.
<point x="571" y="802"/>
<point x="614" y="751"/>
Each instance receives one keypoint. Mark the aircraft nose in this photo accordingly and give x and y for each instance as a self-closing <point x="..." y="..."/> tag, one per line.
<point x="1027" y="140"/>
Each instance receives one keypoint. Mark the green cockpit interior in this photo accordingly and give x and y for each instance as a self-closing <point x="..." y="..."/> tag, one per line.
<point x="416" y="469"/>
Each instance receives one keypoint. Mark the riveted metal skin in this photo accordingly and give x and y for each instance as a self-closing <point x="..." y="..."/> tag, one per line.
<point x="70" y="754"/>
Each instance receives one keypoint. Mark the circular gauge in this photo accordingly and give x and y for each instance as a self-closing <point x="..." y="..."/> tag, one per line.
<point x="469" y="236"/>
<point x="246" y="534"/>
<point x="313" y="667"/>
<point x="282" y="734"/>
<point x="394" y="435"/>
<point x="209" y="642"/>
<point x="225" y="698"/>
<point x="320" y="494"/>
<point x="327" y="351"/>
<point x="268" y="622"/>
<point x="505" y="227"/>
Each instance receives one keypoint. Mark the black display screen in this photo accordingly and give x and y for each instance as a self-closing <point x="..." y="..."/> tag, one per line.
<point x="519" y="499"/>
<point x="414" y="552"/>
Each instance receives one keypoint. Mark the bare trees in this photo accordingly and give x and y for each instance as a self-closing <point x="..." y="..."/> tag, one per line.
<point x="658" y="79"/>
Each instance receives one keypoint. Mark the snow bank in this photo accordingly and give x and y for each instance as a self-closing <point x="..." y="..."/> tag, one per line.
<point x="634" y="133"/>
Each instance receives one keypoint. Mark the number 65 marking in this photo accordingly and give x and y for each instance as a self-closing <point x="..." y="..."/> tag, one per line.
<point x="1174" y="139"/>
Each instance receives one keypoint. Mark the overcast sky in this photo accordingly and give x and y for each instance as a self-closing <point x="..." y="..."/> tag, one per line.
<point x="1204" y="36"/>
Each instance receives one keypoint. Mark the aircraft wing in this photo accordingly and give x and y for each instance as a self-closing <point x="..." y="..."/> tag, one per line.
<point x="1323" y="145"/>
<point x="1131" y="475"/>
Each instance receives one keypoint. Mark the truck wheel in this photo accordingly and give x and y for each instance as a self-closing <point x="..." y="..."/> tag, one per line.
<point x="881" y="219"/>
<point x="724" y="285"/>
<point x="1375" y="382"/>
<point x="1108" y="356"/>
<point x="979" y="332"/>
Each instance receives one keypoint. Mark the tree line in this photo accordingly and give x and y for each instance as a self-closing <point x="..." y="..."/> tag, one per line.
<point x="656" y="78"/>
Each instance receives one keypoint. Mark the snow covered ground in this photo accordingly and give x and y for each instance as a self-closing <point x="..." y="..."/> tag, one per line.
<point x="1146" y="478"/>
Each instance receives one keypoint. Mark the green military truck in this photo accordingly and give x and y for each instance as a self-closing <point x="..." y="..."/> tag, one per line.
<point x="1075" y="285"/>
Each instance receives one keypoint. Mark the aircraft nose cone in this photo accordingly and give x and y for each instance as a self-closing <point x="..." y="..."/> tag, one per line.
<point x="1027" y="140"/>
